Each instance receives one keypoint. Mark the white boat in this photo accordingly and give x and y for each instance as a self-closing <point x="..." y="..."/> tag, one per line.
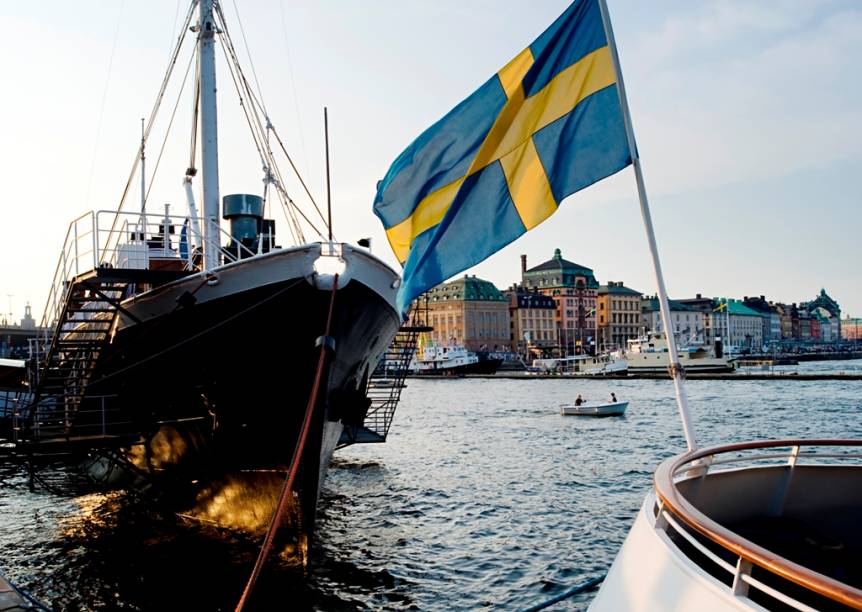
<point x="753" y="526"/>
<point x="649" y="354"/>
<point x="582" y="365"/>
<point x="452" y="360"/>
<point x="594" y="409"/>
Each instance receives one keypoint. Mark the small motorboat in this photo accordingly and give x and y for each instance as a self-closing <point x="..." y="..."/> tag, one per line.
<point x="594" y="409"/>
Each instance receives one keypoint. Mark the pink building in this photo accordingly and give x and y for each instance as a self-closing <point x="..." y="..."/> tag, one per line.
<point x="573" y="288"/>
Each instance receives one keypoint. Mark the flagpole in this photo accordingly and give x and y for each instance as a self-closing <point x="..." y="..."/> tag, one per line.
<point x="675" y="368"/>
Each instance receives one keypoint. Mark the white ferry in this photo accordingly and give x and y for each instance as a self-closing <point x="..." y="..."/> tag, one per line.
<point x="649" y="354"/>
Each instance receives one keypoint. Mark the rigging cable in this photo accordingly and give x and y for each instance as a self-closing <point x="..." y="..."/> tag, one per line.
<point x="295" y="459"/>
<point x="257" y="130"/>
<point x="195" y="113"/>
<point x="258" y="104"/>
<point x="181" y="38"/>
<point x="248" y="54"/>
<point x="293" y="84"/>
<point x="293" y="223"/>
<point x="168" y="130"/>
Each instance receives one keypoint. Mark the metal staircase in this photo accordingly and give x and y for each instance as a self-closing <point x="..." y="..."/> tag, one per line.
<point x="89" y="312"/>
<point x="384" y="389"/>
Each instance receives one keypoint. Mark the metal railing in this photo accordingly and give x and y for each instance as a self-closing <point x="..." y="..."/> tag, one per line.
<point x="674" y="512"/>
<point x="117" y="239"/>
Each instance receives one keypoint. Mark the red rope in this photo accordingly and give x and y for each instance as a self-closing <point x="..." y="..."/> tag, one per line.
<point x="294" y="464"/>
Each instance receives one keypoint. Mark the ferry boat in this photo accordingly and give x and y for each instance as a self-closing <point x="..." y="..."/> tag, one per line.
<point x="175" y="346"/>
<point x="451" y="360"/>
<point x="649" y="354"/>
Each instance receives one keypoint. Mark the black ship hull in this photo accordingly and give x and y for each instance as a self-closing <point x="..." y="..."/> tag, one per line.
<point x="217" y="370"/>
<point x="483" y="366"/>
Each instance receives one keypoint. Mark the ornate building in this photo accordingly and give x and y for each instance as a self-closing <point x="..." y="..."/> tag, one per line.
<point x="828" y="308"/>
<point x="470" y="312"/>
<point x="619" y="314"/>
<point x="573" y="288"/>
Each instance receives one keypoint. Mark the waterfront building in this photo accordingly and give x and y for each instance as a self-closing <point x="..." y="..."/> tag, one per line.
<point x="804" y="326"/>
<point x="532" y="321"/>
<point x="785" y="314"/>
<point x="730" y="320"/>
<point x="15" y="337"/>
<point x="851" y="328"/>
<point x="771" y="318"/>
<point x="619" y="311"/>
<point x="829" y="307"/>
<point x="573" y="288"/>
<point x="687" y="321"/>
<point x="470" y="312"/>
<point x="737" y="325"/>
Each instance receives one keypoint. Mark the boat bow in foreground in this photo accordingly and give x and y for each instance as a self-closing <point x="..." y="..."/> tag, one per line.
<point x="770" y="525"/>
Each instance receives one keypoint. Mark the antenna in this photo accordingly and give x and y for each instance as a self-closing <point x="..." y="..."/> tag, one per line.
<point x="328" y="192"/>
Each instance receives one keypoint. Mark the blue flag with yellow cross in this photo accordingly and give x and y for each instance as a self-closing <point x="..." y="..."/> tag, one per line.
<point x="548" y="124"/>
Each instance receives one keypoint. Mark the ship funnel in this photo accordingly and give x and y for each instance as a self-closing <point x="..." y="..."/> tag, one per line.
<point x="247" y="225"/>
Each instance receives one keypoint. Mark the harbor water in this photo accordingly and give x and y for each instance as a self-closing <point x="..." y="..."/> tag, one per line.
<point x="483" y="497"/>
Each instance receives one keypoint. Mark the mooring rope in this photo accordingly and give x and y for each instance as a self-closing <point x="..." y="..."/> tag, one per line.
<point x="294" y="461"/>
<point x="584" y="586"/>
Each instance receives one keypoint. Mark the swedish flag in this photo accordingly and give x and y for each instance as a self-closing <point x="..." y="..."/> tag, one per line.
<point x="548" y="124"/>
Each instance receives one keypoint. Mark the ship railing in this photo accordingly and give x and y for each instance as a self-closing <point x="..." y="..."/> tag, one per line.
<point x="77" y="256"/>
<point x="674" y="514"/>
<point x="130" y="240"/>
<point x="101" y="417"/>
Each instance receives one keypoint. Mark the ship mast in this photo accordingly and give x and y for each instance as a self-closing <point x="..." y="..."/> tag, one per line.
<point x="209" y="135"/>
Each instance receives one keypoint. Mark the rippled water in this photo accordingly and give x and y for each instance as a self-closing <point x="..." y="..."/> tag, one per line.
<point x="483" y="497"/>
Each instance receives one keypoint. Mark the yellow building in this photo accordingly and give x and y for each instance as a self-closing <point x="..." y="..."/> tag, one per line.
<point x="619" y="314"/>
<point x="469" y="312"/>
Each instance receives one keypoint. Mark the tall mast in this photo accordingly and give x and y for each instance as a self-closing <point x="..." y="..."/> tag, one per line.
<point x="209" y="135"/>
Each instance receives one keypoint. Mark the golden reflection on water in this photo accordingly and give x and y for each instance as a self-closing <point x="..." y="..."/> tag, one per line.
<point x="244" y="501"/>
<point x="90" y="515"/>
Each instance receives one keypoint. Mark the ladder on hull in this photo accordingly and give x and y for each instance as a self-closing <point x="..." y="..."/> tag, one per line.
<point x="384" y="388"/>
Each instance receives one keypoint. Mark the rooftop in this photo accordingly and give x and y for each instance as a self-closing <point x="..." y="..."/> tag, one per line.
<point x="617" y="289"/>
<point x="467" y="288"/>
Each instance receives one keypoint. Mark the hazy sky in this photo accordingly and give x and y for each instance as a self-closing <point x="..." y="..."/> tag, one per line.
<point x="747" y="116"/>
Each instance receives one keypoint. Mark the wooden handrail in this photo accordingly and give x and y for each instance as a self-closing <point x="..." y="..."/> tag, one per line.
<point x="674" y="501"/>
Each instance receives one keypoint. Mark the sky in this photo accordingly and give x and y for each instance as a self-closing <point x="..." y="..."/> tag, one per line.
<point x="747" y="117"/>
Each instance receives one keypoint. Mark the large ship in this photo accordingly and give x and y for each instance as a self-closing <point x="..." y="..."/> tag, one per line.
<point x="451" y="360"/>
<point x="649" y="354"/>
<point x="176" y="346"/>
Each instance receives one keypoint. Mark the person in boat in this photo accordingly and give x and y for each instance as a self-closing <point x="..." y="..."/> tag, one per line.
<point x="613" y="397"/>
<point x="579" y="400"/>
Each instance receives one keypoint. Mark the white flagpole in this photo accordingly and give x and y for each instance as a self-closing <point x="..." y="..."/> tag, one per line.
<point x="675" y="369"/>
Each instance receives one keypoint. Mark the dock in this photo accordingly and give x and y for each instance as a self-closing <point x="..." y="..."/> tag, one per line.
<point x="12" y="599"/>
<point x="658" y="376"/>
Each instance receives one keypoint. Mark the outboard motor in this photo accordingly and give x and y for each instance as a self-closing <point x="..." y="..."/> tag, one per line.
<point x="247" y="225"/>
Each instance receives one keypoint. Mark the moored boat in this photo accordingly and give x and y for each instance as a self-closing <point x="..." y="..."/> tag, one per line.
<point x="176" y="347"/>
<point x="649" y="354"/>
